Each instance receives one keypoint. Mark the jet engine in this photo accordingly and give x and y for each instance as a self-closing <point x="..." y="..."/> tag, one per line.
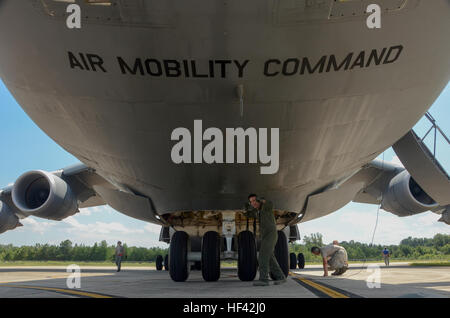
<point x="44" y="195"/>
<point x="405" y="197"/>
<point x="8" y="220"/>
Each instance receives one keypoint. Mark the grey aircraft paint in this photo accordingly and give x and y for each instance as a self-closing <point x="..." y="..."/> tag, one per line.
<point x="112" y="92"/>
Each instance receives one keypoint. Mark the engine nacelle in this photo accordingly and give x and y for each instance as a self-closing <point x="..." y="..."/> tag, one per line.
<point x="405" y="197"/>
<point x="44" y="195"/>
<point x="8" y="220"/>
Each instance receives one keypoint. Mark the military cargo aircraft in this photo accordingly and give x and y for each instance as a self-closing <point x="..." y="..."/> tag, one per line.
<point x="204" y="82"/>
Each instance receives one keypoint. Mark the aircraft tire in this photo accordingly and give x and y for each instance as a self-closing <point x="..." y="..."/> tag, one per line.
<point x="210" y="264"/>
<point x="301" y="260"/>
<point x="179" y="248"/>
<point x="293" y="261"/>
<point x="159" y="262"/>
<point x="282" y="253"/>
<point x="247" y="260"/>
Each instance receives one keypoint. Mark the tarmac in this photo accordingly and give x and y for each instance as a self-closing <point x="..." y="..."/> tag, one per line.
<point x="398" y="280"/>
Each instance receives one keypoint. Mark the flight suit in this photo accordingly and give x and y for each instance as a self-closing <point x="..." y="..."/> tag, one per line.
<point x="119" y="253"/>
<point x="269" y="236"/>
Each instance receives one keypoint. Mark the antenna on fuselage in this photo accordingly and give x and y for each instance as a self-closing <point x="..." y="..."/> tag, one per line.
<point x="240" y="93"/>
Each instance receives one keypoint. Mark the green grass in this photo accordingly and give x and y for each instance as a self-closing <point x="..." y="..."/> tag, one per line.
<point x="430" y="263"/>
<point x="66" y="263"/>
<point x="228" y="264"/>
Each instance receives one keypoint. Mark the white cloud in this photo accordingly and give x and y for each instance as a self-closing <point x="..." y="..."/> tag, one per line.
<point x="85" y="212"/>
<point x="96" y="209"/>
<point x="153" y="228"/>
<point x="33" y="225"/>
<point x="112" y="232"/>
<point x="427" y="219"/>
<point x="91" y="225"/>
<point x="99" y="227"/>
<point x="357" y="222"/>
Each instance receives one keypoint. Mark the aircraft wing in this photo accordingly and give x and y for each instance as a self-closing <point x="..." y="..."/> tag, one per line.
<point x="420" y="185"/>
<point x="377" y="175"/>
<point x="52" y="195"/>
<point x="378" y="182"/>
<point x="364" y="185"/>
<point x="60" y="194"/>
<point x="395" y="188"/>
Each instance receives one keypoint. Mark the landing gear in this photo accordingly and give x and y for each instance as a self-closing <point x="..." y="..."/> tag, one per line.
<point x="292" y="261"/>
<point x="282" y="253"/>
<point x="179" y="248"/>
<point x="197" y="266"/>
<point x="247" y="261"/>
<point x="301" y="260"/>
<point x="166" y="262"/>
<point x="159" y="262"/>
<point x="211" y="256"/>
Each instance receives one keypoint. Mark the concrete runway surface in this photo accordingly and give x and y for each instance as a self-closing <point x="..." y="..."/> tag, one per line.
<point x="398" y="280"/>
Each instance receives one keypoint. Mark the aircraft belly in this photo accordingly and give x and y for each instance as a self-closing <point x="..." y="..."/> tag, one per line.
<point x="117" y="116"/>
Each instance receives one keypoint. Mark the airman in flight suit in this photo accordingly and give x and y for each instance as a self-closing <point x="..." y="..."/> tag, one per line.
<point x="269" y="236"/>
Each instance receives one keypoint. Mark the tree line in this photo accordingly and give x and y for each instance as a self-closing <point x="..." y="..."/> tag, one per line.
<point x="437" y="247"/>
<point x="66" y="251"/>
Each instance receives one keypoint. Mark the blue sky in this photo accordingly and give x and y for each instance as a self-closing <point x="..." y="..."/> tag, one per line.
<point x="23" y="146"/>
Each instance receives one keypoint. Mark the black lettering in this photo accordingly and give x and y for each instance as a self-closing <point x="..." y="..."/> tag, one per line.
<point x="374" y="56"/>
<point x="399" y="49"/>
<point x="345" y="63"/>
<point x="266" y="67"/>
<point x="194" y="71"/>
<point x="320" y="65"/>
<point x="84" y="62"/>
<point x="294" y="69"/>
<point x="186" y="68"/>
<point x="359" y="60"/>
<point x="125" y="68"/>
<point x="73" y="61"/>
<point x="153" y="71"/>
<point x="241" y="67"/>
<point x="94" y="61"/>
<point x="223" y="67"/>
<point x="175" y="67"/>
<point x="211" y="68"/>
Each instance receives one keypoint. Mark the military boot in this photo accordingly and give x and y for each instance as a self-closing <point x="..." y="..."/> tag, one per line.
<point x="279" y="281"/>
<point x="337" y="272"/>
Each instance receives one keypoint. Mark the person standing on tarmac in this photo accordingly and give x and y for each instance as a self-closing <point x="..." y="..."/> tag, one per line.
<point x="386" y="255"/>
<point x="119" y="254"/>
<point x="269" y="236"/>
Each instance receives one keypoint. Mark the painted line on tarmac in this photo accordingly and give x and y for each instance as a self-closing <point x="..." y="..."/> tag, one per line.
<point x="65" y="291"/>
<point x="322" y="289"/>
<point x="344" y="292"/>
<point x="312" y="289"/>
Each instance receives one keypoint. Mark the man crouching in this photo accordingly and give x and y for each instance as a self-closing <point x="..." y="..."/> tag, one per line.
<point x="334" y="258"/>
